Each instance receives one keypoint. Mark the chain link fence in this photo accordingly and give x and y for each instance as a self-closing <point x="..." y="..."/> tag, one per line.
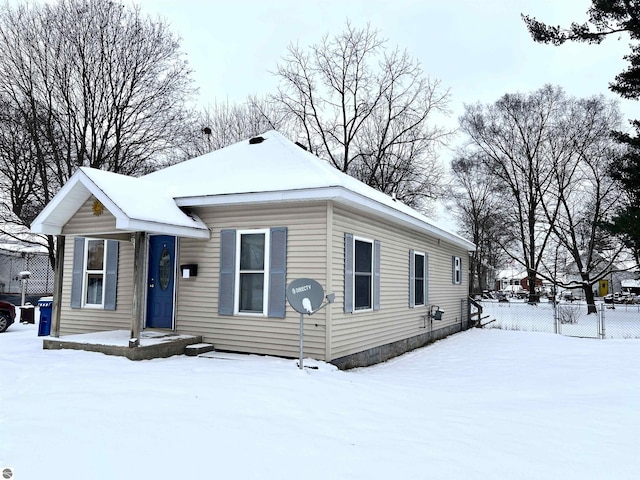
<point x="618" y="321"/>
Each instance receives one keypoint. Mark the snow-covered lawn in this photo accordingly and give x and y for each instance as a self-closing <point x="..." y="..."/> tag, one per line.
<point x="483" y="404"/>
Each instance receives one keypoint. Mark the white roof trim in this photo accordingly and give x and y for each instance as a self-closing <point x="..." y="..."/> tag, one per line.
<point x="338" y="194"/>
<point x="49" y="219"/>
<point x="79" y="188"/>
<point x="163" y="228"/>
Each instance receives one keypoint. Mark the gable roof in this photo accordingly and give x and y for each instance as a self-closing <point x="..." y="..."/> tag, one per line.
<point x="136" y="204"/>
<point x="272" y="170"/>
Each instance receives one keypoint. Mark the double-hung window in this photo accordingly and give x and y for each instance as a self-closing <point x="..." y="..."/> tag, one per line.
<point x="94" y="273"/>
<point x="456" y="270"/>
<point x="252" y="266"/>
<point x="94" y="277"/>
<point x="253" y="272"/>
<point x="418" y="278"/>
<point x="361" y="274"/>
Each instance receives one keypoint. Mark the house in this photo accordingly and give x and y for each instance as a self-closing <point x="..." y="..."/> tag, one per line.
<point x="206" y="247"/>
<point x="512" y="281"/>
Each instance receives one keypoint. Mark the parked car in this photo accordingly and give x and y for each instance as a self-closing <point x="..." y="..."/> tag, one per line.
<point x="7" y="315"/>
<point x="623" y="297"/>
<point x="514" y="291"/>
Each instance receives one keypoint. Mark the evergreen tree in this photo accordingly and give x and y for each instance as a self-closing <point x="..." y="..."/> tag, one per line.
<point x="612" y="17"/>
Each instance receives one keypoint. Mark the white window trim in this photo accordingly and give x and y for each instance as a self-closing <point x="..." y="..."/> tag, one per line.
<point x="353" y="293"/>
<point x="86" y="272"/>
<point x="424" y="278"/>
<point x="457" y="271"/>
<point x="265" y="292"/>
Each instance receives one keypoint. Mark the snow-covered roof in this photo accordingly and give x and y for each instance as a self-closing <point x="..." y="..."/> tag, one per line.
<point x="277" y="169"/>
<point x="136" y="204"/>
<point x="512" y="273"/>
<point x="630" y="283"/>
<point x="272" y="170"/>
<point x="275" y="164"/>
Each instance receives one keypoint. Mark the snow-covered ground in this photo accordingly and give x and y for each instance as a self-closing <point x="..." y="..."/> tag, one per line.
<point x="483" y="404"/>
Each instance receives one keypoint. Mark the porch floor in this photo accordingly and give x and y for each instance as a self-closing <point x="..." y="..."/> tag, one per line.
<point x="153" y="344"/>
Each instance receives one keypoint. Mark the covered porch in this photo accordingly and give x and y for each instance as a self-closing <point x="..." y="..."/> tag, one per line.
<point x="123" y="212"/>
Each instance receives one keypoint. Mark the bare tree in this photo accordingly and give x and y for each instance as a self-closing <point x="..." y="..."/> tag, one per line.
<point x="513" y="135"/>
<point x="93" y="83"/>
<point x="550" y="152"/>
<point x="585" y="196"/>
<point x="479" y="202"/>
<point x="368" y="111"/>
<point x="17" y="170"/>
<point x="222" y="124"/>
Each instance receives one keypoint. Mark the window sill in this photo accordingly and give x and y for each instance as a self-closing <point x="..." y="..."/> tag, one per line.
<point x="249" y="314"/>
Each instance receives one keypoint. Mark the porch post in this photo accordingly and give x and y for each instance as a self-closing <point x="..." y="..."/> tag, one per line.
<point x="139" y="287"/>
<point x="57" y="287"/>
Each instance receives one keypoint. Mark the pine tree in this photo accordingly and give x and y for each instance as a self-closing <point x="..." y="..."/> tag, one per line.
<point x="605" y="18"/>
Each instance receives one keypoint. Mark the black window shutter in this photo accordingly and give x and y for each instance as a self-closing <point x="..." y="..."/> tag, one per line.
<point x="226" y="290"/>
<point x="77" y="272"/>
<point x="277" y="272"/>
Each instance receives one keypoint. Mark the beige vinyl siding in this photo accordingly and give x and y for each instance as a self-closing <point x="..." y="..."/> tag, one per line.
<point x="315" y="245"/>
<point x="355" y="332"/>
<point x="84" y="222"/>
<point x="197" y="303"/>
<point x="86" y="320"/>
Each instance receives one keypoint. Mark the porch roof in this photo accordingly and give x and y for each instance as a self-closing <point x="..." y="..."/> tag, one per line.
<point x="137" y="205"/>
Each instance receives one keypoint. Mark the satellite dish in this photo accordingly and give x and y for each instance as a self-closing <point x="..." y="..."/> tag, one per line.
<point x="305" y="295"/>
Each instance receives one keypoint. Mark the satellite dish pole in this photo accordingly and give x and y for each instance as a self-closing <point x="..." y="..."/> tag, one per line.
<point x="306" y="296"/>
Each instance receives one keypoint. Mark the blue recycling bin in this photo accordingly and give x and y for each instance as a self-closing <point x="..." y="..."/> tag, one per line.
<point x="46" y="307"/>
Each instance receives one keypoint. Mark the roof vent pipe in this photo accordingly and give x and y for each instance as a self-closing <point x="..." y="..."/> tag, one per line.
<point x="255" y="140"/>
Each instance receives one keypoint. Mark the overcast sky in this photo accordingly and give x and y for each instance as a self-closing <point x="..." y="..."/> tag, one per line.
<point x="478" y="49"/>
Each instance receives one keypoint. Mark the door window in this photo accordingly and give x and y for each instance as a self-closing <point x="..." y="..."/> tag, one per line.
<point x="164" y="268"/>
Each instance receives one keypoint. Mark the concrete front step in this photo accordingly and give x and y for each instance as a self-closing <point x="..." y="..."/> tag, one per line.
<point x="198" y="348"/>
<point x="152" y="344"/>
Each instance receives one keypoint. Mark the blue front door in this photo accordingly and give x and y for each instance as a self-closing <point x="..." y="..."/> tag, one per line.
<point x="161" y="281"/>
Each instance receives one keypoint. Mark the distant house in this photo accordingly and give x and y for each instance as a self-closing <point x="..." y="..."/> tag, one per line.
<point x="512" y="280"/>
<point x="207" y="247"/>
<point x="609" y="284"/>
